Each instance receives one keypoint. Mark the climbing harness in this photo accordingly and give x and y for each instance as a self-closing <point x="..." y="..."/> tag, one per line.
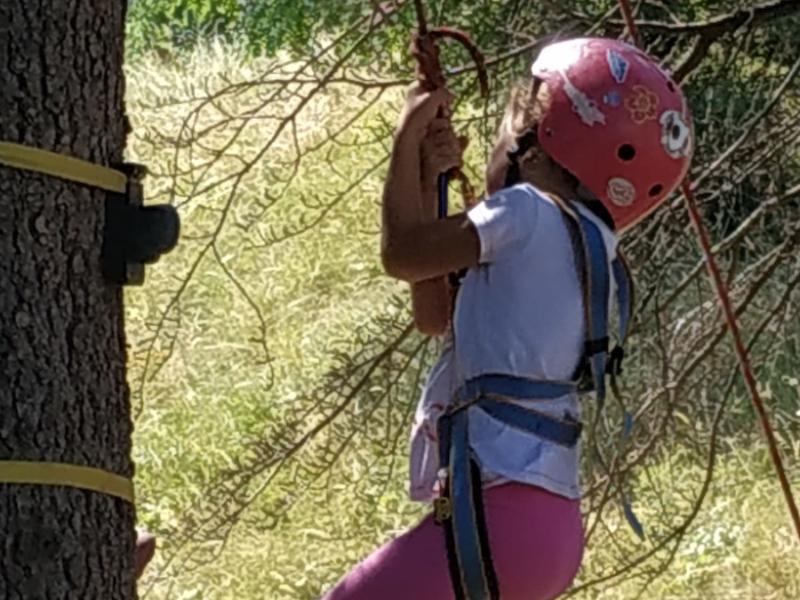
<point x="730" y="318"/>
<point x="596" y="306"/>
<point x="459" y="508"/>
<point x="133" y="236"/>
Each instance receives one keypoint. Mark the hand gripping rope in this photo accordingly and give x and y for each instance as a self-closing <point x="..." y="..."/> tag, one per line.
<point x="730" y="317"/>
<point x="133" y="236"/>
<point x="431" y="76"/>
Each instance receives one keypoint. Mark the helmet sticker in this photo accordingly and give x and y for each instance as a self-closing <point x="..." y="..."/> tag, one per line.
<point x="676" y="136"/>
<point x="586" y="108"/>
<point x="618" y="66"/>
<point x="621" y="191"/>
<point x="612" y="98"/>
<point x="642" y="104"/>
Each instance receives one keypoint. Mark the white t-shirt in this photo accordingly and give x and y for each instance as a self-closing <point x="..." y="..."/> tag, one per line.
<point x="520" y="312"/>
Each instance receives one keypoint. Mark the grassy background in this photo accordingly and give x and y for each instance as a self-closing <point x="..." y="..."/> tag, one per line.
<point x="254" y="328"/>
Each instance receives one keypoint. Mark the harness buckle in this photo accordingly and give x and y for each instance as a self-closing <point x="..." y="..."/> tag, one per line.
<point x="442" y="509"/>
<point x="442" y="506"/>
<point x="598" y="346"/>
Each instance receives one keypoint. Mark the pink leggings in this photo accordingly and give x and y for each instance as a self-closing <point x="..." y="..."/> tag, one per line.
<point x="536" y="540"/>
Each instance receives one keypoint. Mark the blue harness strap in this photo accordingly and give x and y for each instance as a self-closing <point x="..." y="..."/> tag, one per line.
<point x="460" y="505"/>
<point x="443" y="183"/>
<point x="596" y="292"/>
<point x="476" y="573"/>
<point x="624" y="283"/>
<point x="596" y="305"/>
<point x="512" y="387"/>
<point x="460" y="508"/>
<point x="622" y="277"/>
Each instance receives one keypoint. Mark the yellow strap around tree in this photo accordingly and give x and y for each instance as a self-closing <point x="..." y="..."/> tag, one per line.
<point x="85" y="478"/>
<point x="60" y="165"/>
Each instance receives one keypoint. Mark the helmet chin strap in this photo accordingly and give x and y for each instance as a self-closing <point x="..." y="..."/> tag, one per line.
<point x="586" y="194"/>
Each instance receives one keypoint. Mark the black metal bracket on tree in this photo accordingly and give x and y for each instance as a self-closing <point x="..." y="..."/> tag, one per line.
<point x="135" y="235"/>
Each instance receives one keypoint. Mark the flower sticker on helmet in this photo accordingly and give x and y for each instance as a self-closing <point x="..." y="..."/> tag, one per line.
<point x="618" y="66"/>
<point x="642" y="104"/>
<point x="676" y="135"/>
<point x="621" y="191"/>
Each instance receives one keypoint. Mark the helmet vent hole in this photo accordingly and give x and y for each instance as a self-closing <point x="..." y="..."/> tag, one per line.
<point x="671" y="86"/>
<point x="656" y="190"/>
<point x="626" y="152"/>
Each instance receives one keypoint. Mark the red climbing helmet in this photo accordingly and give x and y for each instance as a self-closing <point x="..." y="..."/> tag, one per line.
<point x="617" y="122"/>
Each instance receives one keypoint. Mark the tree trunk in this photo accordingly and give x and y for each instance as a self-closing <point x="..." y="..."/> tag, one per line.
<point x="63" y="395"/>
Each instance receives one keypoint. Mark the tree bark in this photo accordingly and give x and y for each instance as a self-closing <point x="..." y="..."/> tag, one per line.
<point x="63" y="394"/>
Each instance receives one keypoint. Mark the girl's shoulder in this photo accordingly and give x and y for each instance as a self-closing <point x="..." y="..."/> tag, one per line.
<point x="527" y="192"/>
<point x="523" y="209"/>
<point x="548" y="208"/>
<point x="523" y="200"/>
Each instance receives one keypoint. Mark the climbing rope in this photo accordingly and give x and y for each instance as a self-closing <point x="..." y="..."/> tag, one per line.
<point x="730" y="316"/>
<point x="430" y="74"/>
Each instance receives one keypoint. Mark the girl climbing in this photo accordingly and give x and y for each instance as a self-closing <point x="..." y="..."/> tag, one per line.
<point x="590" y="146"/>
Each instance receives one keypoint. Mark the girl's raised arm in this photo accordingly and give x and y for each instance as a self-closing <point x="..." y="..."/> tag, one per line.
<point x="415" y="246"/>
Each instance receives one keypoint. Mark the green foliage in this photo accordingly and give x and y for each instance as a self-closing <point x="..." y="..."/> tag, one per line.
<point x="180" y="24"/>
<point x="260" y="27"/>
<point x="302" y="27"/>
